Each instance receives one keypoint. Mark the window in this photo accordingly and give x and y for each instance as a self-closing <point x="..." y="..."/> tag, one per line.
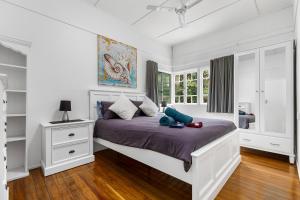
<point x="191" y="94"/>
<point x="186" y="88"/>
<point x="187" y="84"/>
<point x="179" y="88"/>
<point x="204" y="79"/>
<point x="164" y="87"/>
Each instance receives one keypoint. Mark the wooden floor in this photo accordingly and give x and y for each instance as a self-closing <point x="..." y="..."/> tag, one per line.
<point x="113" y="176"/>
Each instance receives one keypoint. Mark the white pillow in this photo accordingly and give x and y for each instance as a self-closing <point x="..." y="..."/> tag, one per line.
<point x="124" y="108"/>
<point x="149" y="107"/>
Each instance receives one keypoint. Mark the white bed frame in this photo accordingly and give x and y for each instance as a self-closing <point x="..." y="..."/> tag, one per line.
<point x="212" y="165"/>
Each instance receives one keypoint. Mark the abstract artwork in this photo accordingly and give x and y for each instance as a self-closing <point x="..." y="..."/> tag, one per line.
<point x="117" y="63"/>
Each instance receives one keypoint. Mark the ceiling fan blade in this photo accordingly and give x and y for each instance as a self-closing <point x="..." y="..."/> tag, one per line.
<point x="160" y="8"/>
<point x="193" y="4"/>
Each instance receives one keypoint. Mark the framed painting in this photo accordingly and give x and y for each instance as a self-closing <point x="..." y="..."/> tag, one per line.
<point x="117" y="63"/>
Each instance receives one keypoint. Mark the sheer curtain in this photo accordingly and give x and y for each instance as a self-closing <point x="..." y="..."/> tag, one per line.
<point x="221" y="85"/>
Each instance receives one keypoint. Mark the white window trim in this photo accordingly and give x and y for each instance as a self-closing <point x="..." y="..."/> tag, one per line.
<point x="184" y="73"/>
<point x="166" y="72"/>
<point x="201" y="83"/>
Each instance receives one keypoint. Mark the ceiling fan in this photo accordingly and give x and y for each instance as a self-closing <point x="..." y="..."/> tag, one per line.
<point x="185" y="5"/>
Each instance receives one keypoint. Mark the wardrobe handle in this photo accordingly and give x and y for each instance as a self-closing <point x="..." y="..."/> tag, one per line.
<point x="262" y="91"/>
<point x="72" y="151"/>
<point x="71" y="134"/>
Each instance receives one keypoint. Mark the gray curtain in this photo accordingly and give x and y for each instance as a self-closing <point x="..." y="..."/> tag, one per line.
<point x="221" y="85"/>
<point x="151" y="81"/>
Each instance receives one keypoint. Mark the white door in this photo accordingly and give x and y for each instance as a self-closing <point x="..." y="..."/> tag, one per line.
<point x="276" y="90"/>
<point x="247" y="91"/>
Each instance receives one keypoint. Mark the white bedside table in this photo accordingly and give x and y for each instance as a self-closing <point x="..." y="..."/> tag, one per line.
<point x="66" y="145"/>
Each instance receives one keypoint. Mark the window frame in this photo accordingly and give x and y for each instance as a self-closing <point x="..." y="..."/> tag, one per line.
<point x="184" y="73"/>
<point x="170" y="83"/>
<point x="202" y="69"/>
<point x="200" y="90"/>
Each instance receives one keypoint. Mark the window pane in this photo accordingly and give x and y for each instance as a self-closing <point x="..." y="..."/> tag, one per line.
<point x="179" y="88"/>
<point x="176" y="99"/>
<point x="192" y="88"/>
<point x="181" y="77"/>
<point x="181" y="99"/>
<point x="189" y="99"/>
<point x="205" y="86"/>
<point x="189" y="76"/>
<point x="205" y="74"/>
<point x="194" y="99"/>
<point x="194" y="76"/>
<point x="177" y="78"/>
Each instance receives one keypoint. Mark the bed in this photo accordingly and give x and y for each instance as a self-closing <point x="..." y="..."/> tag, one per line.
<point x="209" y="168"/>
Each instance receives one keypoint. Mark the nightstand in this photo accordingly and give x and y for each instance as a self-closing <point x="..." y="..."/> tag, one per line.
<point x="66" y="145"/>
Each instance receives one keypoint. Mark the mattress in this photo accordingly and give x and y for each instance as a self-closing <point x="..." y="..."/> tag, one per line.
<point x="146" y="133"/>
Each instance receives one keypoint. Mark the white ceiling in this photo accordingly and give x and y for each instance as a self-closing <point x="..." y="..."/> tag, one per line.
<point x="206" y="17"/>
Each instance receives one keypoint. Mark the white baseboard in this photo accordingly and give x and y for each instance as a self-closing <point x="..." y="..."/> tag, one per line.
<point x="34" y="166"/>
<point x="66" y="165"/>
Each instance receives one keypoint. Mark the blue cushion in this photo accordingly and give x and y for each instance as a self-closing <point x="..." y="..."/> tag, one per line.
<point x="99" y="107"/>
<point x="178" y="116"/>
<point x="166" y="121"/>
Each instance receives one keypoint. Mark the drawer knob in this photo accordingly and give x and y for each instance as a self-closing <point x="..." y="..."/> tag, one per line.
<point x="72" y="151"/>
<point x="71" y="134"/>
<point x="246" y="139"/>
<point x="274" y="144"/>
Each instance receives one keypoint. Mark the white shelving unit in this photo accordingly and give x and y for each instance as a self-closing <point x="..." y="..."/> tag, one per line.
<point x="13" y="63"/>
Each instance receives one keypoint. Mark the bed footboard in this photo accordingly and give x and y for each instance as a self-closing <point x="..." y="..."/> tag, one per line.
<point x="213" y="165"/>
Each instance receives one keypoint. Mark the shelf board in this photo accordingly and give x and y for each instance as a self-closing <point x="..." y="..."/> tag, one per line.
<point x="13" y="174"/>
<point x="16" y="115"/>
<point x="16" y="91"/>
<point x="15" y="139"/>
<point x="13" y="66"/>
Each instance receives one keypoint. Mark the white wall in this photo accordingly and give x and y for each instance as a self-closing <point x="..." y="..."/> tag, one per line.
<point x="265" y="30"/>
<point x="63" y="57"/>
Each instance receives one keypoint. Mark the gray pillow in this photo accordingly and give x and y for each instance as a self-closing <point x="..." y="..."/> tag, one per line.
<point x="106" y="113"/>
<point x="139" y="112"/>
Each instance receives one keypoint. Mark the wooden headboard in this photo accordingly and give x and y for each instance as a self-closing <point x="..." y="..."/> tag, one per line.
<point x="104" y="95"/>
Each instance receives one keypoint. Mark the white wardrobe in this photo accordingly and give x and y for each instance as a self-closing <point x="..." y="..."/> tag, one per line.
<point x="3" y="144"/>
<point x="264" y="98"/>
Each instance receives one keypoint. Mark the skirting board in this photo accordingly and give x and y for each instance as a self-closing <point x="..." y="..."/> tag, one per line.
<point x="66" y="165"/>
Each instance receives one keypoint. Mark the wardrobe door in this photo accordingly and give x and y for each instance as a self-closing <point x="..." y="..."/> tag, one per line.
<point x="247" y="90"/>
<point x="276" y="90"/>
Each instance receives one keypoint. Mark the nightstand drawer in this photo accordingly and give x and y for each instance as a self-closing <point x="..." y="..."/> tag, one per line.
<point x="69" y="134"/>
<point x="65" y="153"/>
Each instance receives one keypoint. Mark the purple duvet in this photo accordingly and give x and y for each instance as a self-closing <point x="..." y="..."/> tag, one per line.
<point x="146" y="133"/>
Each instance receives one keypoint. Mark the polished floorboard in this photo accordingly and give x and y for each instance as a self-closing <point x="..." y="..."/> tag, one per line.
<point x="113" y="176"/>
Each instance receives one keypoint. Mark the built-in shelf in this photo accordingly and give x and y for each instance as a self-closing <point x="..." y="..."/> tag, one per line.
<point x="13" y="63"/>
<point x="16" y="115"/>
<point x="13" y="174"/>
<point x="16" y="91"/>
<point x="16" y="139"/>
<point x="13" y="66"/>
